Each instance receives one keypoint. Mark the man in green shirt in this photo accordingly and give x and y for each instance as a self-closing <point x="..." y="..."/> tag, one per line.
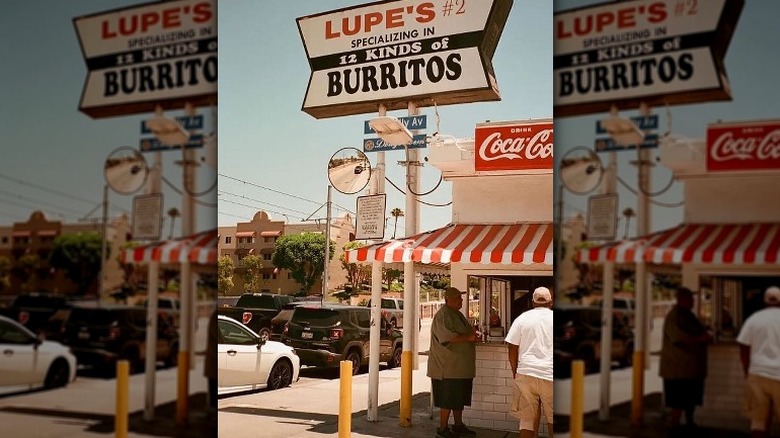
<point x="452" y="364"/>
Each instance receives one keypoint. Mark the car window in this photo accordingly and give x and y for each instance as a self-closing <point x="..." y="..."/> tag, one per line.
<point x="79" y="316"/>
<point x="316" y="317"/>
<point x="231" y="333"/>
<point x="400" y="304"/>
<point x="620" y="304"/>
<point x="593" y="317"/>
<point x="387" y="304"/>
<point x="11" y="334"/>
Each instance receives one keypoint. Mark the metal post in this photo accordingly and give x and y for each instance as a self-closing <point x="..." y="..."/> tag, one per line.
<point x="606" y="339"/>
<point x="327" y="246"/>
<point x="378" y="188"/>
<point x="559" y="250"/>
<point x="151" y="339"/>
<point x="103" y="247"/>
<point x="409" y="289"/>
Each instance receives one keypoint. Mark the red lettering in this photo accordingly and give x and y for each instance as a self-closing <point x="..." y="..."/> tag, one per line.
<point x="656" y="13"/>
<point x="394" y="17"/>
<point x="148" y="20"/>
<point x="329" y="34"/>
<point x="372" y="19"/>
<point x="626" y="18"/>
<point x="170" y="18"/>
<point x="426" y="12"/>
<point x="603" y="20"/>
<point x="201" y="13"/>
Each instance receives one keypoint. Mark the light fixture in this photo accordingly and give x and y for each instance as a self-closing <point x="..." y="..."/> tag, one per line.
<point x="168" y="131"/>
<point x="391" y="130"/>
<point x="623" y="131"/>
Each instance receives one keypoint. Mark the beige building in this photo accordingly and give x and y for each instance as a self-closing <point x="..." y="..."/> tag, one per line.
<point x="259" y="236"/>
<point x="36" y="236"/>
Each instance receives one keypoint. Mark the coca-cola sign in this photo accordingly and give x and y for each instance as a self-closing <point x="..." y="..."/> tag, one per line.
<point x="743" y="146"/>
<point x="513" y="146"/>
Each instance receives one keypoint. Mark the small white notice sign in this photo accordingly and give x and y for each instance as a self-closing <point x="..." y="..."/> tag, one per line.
<point x="370" y="217"/>
<point x="147" y="217"/>
<point x="602" y="217"/>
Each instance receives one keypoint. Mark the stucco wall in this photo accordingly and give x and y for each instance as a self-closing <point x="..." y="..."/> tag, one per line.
<point x="732" y="199"/>
<point x="502" y="199"/>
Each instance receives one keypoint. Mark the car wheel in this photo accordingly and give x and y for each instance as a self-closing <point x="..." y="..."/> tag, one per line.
<point x="354" y="357"/>
<point x="395" y="359"/>
<point x="58" y="374"/>
<point x="264" y="334"/>
<point x="280" y="375"/>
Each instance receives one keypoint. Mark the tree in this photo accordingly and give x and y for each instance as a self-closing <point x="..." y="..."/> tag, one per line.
<point x="302" y="254"/>
<point x="396" y="213"/>
<point x="225" y="268"/>
<point x="357" y="274"/>
<point x="28" y="265"/>
<point x="628" y="213"/>
<point x="173" y="213"/>
<point x="253" y="266"/>
<point x="78" y="255"/>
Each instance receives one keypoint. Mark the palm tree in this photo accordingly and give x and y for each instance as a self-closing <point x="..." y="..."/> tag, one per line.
<point x="628" y="213"/>
<point x="173" y="213"/>
<point x="396" y="213"/>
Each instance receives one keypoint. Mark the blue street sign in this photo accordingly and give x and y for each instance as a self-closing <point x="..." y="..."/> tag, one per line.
<point x="187" y="122"/>
<point x="154" y="145"/>
<point x="644" y="123"/>
<point x="377" y="145"/>
<point x="412" y="123"/>
<point x="608" y="145"/>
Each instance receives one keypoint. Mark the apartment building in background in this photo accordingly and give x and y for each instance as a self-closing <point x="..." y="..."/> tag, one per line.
<point x="259" y="236"/>
<point x="36" y="237"/>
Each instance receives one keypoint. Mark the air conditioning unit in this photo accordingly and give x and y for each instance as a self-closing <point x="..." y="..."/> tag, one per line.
<point x="451" y="155"/>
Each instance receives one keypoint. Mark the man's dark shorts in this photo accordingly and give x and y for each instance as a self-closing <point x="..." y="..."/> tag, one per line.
<point x="452" y="394"/>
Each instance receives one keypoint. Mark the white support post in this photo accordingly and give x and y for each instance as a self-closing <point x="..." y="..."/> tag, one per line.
<point x="606" y="339"/>
<point x="153" y="281"/>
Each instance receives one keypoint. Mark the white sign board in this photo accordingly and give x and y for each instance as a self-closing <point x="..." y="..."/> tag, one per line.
<point x="602" y="217"/>
<point x="653" y="51"/>
<point x="160" y="53"/>
<point x="370" y="217"/>
<point x="147" y="217"/>
<point x="400" y="51"/>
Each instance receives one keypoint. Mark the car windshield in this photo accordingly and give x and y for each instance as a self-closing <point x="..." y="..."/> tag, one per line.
<point x="316" y="317"/>
<point x="256" y="301"/>
<point x="91" y="317"/>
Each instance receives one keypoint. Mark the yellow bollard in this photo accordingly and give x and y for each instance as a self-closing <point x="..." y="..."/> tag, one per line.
<point x="182" y="393"/>
<point x="345" y="399"/>
<point x="638" y="388"/>
<point x="122" y="379"/>
<point x="577" y="398"/>
<point x="406" y="389"/>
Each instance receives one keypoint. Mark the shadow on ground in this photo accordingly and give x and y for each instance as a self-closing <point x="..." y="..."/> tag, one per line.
<point x="654" y="426"/>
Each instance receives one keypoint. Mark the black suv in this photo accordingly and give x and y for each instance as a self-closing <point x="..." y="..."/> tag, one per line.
<point x="100" y="336"/>
<point x="577" y="336"/>
<point x="325" y="334"/>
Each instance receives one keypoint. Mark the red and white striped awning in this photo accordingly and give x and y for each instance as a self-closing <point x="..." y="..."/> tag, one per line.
<point x="508" y="244"/>
<point x="728" y="244"/>
<point x="200" y="248"/>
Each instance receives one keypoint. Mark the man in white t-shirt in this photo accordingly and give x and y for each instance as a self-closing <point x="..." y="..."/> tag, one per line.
<point x="759" y="341"/>
<point x="530" y="342"/>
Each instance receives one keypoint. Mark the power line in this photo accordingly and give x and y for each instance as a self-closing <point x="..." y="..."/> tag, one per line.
<point x="37" y="202"/>
<point x="258" y="208"/>
<point x="262" y="202"/>
<point x="57" y="192"/>
<point x="320" y="203"/>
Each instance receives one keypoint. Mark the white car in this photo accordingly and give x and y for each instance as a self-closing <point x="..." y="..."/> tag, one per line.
<point x="27" y="362"/>
<point x="246" y="362"/>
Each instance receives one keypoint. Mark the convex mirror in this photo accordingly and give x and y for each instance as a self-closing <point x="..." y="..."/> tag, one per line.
<point x="581" y="170"/>
<point x="125" y="170"/>
<point x="349" y="170"/>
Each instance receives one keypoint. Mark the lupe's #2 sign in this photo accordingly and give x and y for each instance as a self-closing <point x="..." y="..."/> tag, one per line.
<point x="647" y="51"/>
<point x="393" y="52"/>
<point x="161" y="53"/>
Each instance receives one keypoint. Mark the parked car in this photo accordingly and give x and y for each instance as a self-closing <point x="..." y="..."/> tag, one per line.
<point x="325" y="334"/>
<point x="577" y="336"/>
<point x="28" y="362"/>
<point x="33" y="309"/>
<point x="246" y="361"/>
<point x="169" y="307"/>
<point x="255" y="310"/>
<point x="392" y="310"/>
<point x="99" y="336"/>
<point x="279" y="321"/>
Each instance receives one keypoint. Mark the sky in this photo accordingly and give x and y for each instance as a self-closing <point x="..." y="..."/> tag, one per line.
<point x="752" y="66"/>
<point x="273" y="156"/>
<point x="53" y="154"/>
